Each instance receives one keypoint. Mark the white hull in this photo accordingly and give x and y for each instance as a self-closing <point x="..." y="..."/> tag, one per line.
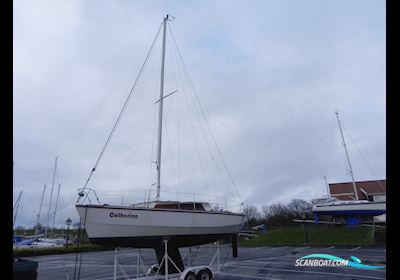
<point x="125" y="222"/>
<point x="349" y="208"/>
<point x="42" y="244"/>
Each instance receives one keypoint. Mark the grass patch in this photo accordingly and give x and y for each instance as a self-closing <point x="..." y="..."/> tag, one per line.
<point x="317" y="236"/>
<point x="30" y="252"/>
<point x="285" y="236"/>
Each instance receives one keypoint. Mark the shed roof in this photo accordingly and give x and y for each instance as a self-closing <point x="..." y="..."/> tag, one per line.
<point x="344" y="191"/>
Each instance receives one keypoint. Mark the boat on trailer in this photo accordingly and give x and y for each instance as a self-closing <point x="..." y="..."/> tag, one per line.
<point x="351" y="210"/>
<point x="151" y="224"/>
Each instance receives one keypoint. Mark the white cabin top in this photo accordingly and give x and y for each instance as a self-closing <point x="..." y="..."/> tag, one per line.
<point x="335" y="201"/>
<point x="184" y="205"/>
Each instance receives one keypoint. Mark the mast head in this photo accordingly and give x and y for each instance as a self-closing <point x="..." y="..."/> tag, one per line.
<point x="169" y="17"/>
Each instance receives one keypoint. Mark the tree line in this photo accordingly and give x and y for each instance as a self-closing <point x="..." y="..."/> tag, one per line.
<point x="278" y="214"/>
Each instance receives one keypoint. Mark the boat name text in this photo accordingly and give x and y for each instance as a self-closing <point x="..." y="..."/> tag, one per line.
<point x="122" y="215"/>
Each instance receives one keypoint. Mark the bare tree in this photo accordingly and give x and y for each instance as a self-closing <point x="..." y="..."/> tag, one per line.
<point x="278" y="214"/>
<point x="265" y="213"/>
<point x="300" y="208"/>
<point x="279" y="209"/>
<point x="252" y="215"/>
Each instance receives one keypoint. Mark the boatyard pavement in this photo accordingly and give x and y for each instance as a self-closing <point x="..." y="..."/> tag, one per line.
<point x="272" y="263"/>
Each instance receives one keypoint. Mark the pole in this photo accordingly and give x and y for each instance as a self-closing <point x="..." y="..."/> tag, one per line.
<point x="51" y="198"/>
<point x="347" y="156"/>
<point x="16" y="210"/>
<point x="138" y="265"/>
<point x="328" y="192"/>
<point x="16" y="205"/>
<point x="13" y="177"/>
<point x="304" y="228"/>
<point x="166" y="259"/>
<point x="66" y="243"/>
<point x="190" y="257"/>
<point x="55" y="209"/>
<point x="373" y="228"/>
<point x="218" y="259"/>
<point x="115" y="264"/>
<point x="160" y="112"/>
<point x="40" y="209"/>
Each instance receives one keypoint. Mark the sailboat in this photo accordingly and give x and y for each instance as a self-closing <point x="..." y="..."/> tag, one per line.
<point x="353" y="209"/>
<point x="147" y="225"/>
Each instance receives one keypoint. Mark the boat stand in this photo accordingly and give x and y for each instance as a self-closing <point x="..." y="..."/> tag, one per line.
<point x="146" y="272"/>
<point x="116" y="264"/>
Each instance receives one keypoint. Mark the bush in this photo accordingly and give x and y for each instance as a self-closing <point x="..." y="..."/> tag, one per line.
<point x="317" y="236"/>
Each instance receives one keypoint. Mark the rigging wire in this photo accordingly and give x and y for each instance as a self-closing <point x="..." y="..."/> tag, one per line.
<point x="77" y="255"/>
<point x="326" y="165"/>
<point x="205" y="119"/>
<point x="165" y="119"/>
<point x="51" y="197"/>
<point x="59" y="205"/>
<point x="203" y="130"/>
<point x="120" y="114"/>
<point x="177" y="73"/>
<point x="56" y="207"/>
<point x="153" y="138"/>
<point x="169" y="148"/>
<point x="191" y="89"/>
<point x="365" y="161"/>
<point x="13" y="177"/>
<point x="325" y="168"/>
<point x="191" y="118"/>
<point x="174" y="68"/>
<point x="196" y="143"/>
<point x="81" y="193"/>
<point x="178" y="139"/>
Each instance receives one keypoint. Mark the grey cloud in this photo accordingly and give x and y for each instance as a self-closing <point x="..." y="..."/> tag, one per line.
<point x="269" y="75"/>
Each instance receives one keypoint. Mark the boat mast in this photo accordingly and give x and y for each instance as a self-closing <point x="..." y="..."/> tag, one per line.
<point x="160" y="111"/>
<point x="40" y="210"/>
<point x="328" y="192"/>
<point x="13" y="177"/>
<point x="55" y="209"/>
<point x="16" y="210"/>
<point x="347" y="156"/>
<point x="51" y="197"/>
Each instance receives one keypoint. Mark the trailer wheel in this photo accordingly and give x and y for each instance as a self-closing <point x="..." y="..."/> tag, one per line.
<point x="204" y="274"/>
<point x="190" y="276"/>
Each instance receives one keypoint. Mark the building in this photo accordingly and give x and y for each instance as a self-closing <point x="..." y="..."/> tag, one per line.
<point x="367" y="190"/>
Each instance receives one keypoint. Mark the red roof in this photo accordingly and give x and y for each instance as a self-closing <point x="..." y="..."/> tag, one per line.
<point x="345" y="191"/>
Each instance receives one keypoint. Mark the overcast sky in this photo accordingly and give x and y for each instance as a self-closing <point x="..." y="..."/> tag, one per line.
<point x="269" y="76"/>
